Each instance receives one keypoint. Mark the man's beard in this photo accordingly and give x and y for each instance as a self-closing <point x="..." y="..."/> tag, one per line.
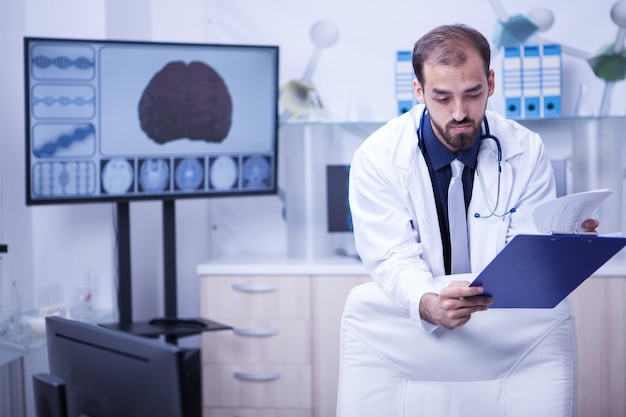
<point x="459" y="141"/>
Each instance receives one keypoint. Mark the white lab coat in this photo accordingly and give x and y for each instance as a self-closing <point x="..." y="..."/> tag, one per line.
<point x="394" y="214"/>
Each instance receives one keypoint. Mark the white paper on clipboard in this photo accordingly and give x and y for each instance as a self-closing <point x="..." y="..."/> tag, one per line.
<point x="566" y="214"/>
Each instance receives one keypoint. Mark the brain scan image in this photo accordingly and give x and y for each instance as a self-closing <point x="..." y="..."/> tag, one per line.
<point x="117" y="176"/>
<point x="186" y="101"/>
<point x="154" y="175"/>
<point x="223" y="173"/>
<point x="256" y="172"/>
<point x="189" y="174"/>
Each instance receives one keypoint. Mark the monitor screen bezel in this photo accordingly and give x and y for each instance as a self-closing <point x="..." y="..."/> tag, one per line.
<point x="272" y="189"/>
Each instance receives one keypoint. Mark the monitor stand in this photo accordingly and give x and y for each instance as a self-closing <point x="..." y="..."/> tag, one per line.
<point x="170" y="326"/>
<point x="49" y="393"/>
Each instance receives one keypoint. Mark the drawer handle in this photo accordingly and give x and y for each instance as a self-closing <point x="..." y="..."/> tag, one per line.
<point x="268" y="331"/>
<point x="263" y="376"/>
<point x="255" y="287"/>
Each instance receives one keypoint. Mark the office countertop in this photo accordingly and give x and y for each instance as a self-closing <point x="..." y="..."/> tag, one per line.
<point x="262" y="264"/>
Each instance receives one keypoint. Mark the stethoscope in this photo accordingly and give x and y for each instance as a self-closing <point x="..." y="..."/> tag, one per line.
<point x="484" y="136"/>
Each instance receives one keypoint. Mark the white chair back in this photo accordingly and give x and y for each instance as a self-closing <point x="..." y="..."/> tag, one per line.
<point x="503" y="362"/>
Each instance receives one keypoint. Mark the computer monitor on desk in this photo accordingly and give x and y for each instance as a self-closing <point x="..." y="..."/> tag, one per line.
<point x="338" y="207"/>
<point x="108" y="373"/>
<point x="339" y="217"/>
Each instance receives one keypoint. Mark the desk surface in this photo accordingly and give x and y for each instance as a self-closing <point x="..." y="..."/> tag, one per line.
<point x="260" y="264"/>
<point x="28" y="334"/>
<point x="17" y="340"/>
<point x="263" y="264"/>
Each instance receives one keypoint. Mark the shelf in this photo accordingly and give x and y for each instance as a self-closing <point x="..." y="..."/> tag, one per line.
<point x="567" y="118"/>
<point x="374" y="123"/>
<point x="332" y="123"/>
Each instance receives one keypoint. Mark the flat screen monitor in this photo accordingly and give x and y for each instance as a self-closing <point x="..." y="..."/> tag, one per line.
<point x="338" y="207"/>
<point x="108" y="373"/>
<point x="120" y="120"/>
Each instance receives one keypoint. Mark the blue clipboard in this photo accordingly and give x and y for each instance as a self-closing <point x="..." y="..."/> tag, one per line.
<point x="539" y="271"/>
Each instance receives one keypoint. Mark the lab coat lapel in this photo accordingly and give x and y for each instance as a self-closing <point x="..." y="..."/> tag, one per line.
<point x="421" y="193"/>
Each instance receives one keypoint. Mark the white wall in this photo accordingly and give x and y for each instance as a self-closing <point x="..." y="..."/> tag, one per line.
<point x="57" y="246"/>
<point x="15" y="221"/>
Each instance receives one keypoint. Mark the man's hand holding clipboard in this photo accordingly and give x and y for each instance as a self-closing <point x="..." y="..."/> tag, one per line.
<point x="539" y="271"/>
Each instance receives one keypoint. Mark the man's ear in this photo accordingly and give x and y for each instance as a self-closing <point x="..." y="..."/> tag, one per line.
<point x="491" y="81"/>
<point x="418" y="90"/>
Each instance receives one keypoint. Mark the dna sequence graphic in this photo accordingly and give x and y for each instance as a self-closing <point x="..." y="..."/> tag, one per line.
<point x="64" y="141"/>
<point x="62" y="62"/>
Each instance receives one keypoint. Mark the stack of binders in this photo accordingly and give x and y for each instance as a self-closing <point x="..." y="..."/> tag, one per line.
<point x="404" y="82"/>
<point x="532" y="81"/>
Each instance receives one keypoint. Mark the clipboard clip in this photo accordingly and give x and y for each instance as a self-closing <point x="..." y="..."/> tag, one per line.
<point x="573" y="233"/>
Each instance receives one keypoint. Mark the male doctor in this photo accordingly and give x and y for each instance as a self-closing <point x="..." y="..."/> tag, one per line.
<point x="399" y="179"/>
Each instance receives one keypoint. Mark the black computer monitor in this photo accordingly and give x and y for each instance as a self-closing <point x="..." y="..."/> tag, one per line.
<point x="337" y="205"/>
<point x="109" y="373"/>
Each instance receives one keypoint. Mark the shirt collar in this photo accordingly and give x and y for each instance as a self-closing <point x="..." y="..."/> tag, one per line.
<point x="439" y="155"/>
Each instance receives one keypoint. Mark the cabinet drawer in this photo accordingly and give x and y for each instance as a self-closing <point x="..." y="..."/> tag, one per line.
<point x="255" y="297"/>
<point x="249" y="412"/>
<point x="259" y="341"/>
<point x="257" y="386"/>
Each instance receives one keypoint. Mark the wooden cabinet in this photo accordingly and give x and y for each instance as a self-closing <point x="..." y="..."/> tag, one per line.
<point x="599" y="306"/>
<point x="265" y="362"/>
<point x="282" y="357"/>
